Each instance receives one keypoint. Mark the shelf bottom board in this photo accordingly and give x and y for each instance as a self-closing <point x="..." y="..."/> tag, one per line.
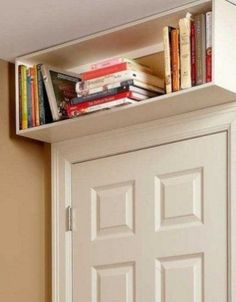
<point x="184" y="101"/>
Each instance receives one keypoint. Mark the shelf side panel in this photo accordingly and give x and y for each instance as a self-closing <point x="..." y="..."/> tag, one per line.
<point x="224" y="44"/>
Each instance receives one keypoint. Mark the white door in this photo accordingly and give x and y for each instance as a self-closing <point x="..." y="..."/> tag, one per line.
<point x="151" y="225"/>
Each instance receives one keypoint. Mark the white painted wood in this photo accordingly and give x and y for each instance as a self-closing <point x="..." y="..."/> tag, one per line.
<point x="155" y="108"/>
<point x="154" y="133"/>
<point x="138" y="39"/>
<point x="131" y="36"/>
<point x="159" y="214"/>
<point x="224" y="68"/>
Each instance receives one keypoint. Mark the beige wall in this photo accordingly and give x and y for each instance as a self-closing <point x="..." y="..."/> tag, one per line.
<point x="24" y="207"/>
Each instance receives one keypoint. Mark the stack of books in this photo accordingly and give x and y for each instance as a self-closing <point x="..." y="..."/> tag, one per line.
<point x="114" y="82"/>
<point x="188" y="52"/>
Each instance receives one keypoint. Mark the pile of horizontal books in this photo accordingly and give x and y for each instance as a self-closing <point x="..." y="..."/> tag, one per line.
<point x="188" y="52"/>
<point x="114" y="82"/>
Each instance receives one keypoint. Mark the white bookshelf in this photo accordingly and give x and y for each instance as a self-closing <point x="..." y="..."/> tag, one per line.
<point x="141" y="40"/>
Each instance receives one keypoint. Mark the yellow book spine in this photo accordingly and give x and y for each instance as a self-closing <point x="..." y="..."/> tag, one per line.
<point x="23" y="83"/>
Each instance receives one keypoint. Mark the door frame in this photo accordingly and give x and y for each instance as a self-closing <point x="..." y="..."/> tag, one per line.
<point x="164" y="131"/>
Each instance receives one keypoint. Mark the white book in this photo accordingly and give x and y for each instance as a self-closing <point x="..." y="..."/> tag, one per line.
<point x="116" y="85"/>
<point x="167" y="58"/>
<point x="185" y="51"/>
<point x="208" y="46"/>
<point x="119" y="77"/>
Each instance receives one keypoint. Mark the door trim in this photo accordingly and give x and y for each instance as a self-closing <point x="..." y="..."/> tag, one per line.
<point x="154" y="133"/>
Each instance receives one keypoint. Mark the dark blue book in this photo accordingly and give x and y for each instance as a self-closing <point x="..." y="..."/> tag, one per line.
<point x="45" y="115"/>
<point x="98" y="95"/>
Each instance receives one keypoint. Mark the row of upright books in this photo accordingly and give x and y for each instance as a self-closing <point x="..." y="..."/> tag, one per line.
<point x="47" y="94"/>
<point x="188" y="52"/>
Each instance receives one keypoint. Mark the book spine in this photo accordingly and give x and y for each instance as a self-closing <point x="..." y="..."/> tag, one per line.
<point x="185" y="52"/>
<point x="24" y="97"/>
<point x="104" y="100"/>
<point x="193" y="54"/>
<point x="103" y="71"/>
<point x="29" y="99"/>
<point x="32" y="90"/>
<point x="99" y="95"/>
<point x="36" y="96"/>
<point x="92" y="74"/>
<point x="118" y="77"/>
<point x="41" y="96"/>
<point x="175" y="64"/>
<point x="167" y="58"/>
<point x="74" y="111"/>
<point x="115" y="61"/>
<point x="208" y="46"/>
<point x="20" y="96"/>
<point x="200" y="49"/>
<point x="107" y="63"/>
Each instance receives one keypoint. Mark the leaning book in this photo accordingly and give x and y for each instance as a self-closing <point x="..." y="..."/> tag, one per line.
<point x="60" y="87"/>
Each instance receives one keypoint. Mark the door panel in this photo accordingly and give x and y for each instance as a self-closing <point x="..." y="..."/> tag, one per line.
<point x="151" y="225"/>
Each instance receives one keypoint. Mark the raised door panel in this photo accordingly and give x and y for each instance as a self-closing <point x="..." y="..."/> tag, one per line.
<point x="151" y="225"/>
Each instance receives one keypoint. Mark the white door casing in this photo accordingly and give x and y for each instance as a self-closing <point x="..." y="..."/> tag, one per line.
<point x="151" y="225"/>
<point x="154" y="133"/>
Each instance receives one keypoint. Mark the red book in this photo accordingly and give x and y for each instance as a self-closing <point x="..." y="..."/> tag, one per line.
<point x="84" y="105"/>
<point x="91" y="74"/>
<point x="208" y="46"/>
<point x="193" y="54"/>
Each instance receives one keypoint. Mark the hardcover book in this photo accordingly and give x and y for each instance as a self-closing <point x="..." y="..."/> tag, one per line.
<point x="92" y="74"/>
<point x="208" y="46"/>
<point x="119" y="77"/>
<point x="60" y="87"/>
<point x="167" y="58"/>
<point x="175" y="64"/>
<point x="185" y="51"/>
<point x="193" y="54"/>
<point x="200" y="27"/>
<point x="23" y="96"/>
<point x="76" y="110"/>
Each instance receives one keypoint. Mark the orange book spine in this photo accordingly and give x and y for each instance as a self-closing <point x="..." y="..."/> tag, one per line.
<point x="175" y="60"/>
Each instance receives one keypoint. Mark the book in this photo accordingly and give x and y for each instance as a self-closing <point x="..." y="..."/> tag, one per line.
<point x="95" y="73"/>
<point x="29" y="99"/>
<point x="23" y="96"/>
<point x="185" y="51"/>
<point x="20" y="96"/>
<point x="175" y="62"/>
<point x="120" y="93"/>
<point x="119" y="77"/>
<point x="32" y="92"/>
<point x="76" y="110"/>
<point x="193" y="54"/>
<point x="208" y="46"/>
<point x="60" y="87"/>
<point x="114" y="61"/>
<point x="200" y="35"/>
<point x="36" y="96"/>
<point x="45" y="115"/>
<point x="112" y="91"/>
<point x="135" y="83"/>
<point x="167" y="58"/>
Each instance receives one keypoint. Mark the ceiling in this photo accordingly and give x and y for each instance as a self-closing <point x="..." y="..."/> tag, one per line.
<point x="28" y="25"/>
